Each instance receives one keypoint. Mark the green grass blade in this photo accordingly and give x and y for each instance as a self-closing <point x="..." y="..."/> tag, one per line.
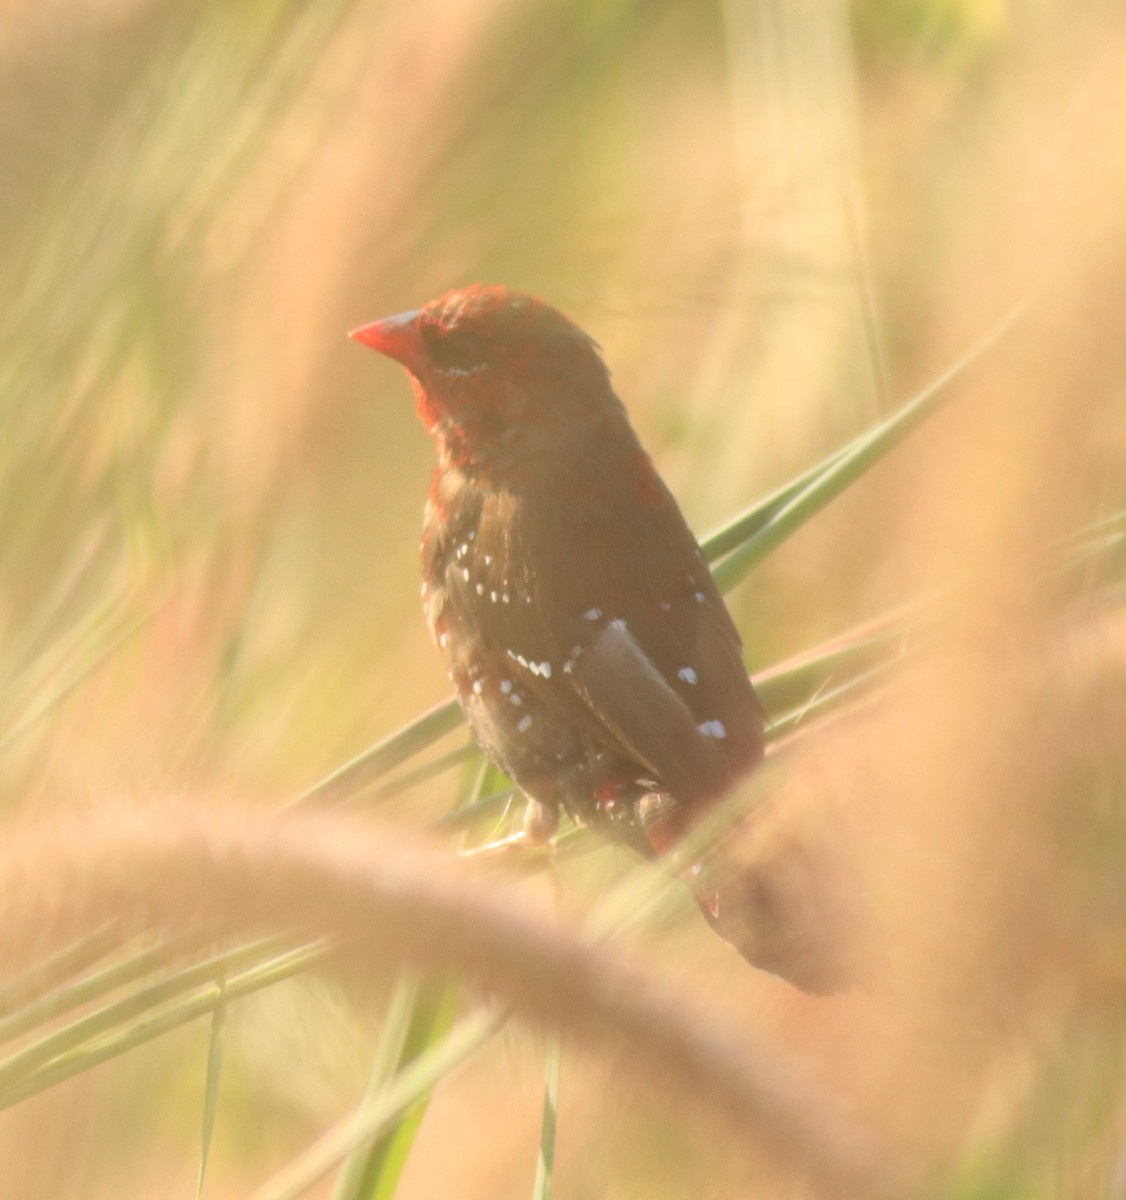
<point x="418" y="1020"/>
<point x="774" y="520"/>
<point x="420" y="774"/>
<point x="87" y="988"/>
<point x="211" y="1086"/>
<point x="373" y="1172"/>
<point x="744" y="526"/>
<point x="545" y="1164"/>
<point x="74" y="678"/>
<point x="68" y="961"/>
<point x="379" y="1112"/>
<point x="361" y="772"/>
<point x="489" y="807"/>
<point x="827" y="700"/>
<point x="140" y="1016"/>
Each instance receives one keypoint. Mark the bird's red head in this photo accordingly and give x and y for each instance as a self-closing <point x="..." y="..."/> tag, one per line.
<point x="496" y="373"/>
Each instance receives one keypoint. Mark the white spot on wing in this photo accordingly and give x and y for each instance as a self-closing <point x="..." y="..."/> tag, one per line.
<point x="687" y="674"/>
<point x="478" y="687"/>
<point x="592" y="614"/>
<point x="619" y="624"/>
<point x="524" y="724"/>
<point x="700" y="597"/>
<point x="713" y="729"/>
<point x="506" y="686"/>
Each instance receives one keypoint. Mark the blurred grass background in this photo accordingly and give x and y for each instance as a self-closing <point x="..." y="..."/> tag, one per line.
<point x="777" y="218"/>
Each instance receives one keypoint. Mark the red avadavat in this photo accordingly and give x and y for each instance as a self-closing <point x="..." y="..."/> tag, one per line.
<point x="594" y="658"/>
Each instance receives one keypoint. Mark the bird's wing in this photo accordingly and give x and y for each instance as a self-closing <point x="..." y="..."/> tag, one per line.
<point x="639" y="648"/>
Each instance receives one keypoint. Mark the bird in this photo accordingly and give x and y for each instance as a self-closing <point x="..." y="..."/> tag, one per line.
<point x="590" y="649"/>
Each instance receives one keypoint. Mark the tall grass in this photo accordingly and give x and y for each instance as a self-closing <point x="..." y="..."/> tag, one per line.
<point x="781" y="221"/>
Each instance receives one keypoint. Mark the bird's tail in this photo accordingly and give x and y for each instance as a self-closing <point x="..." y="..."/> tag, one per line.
<point x="783" y="898"/>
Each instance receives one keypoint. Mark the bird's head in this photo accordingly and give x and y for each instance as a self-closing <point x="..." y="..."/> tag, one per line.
<point x="496" y="373"/>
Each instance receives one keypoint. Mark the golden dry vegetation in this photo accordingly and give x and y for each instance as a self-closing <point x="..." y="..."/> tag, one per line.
<point x="781" y="220"/>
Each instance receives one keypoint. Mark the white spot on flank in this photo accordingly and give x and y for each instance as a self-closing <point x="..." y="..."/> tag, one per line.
<point x="506" y="686"/>
<point x="700" y="597"/>
<point x="488" y="560"/>
<point x="687" y="674"/>
<point x="592" y="614"/>
<point x="516" y="698"/>
<point x="493" y="597"/>
<point x="480" y="589"/>
<point x="504" y="597"/>
<point x="619" y="624"/>
<point x="478" y="687"/>
<point x="524" y="724"/>
<point x="568" y="666"/>
<point x="713" y="729"/>
<point x="471" y="534"/>
<point x="465" y="574"/>
<point x="443" y="638"/>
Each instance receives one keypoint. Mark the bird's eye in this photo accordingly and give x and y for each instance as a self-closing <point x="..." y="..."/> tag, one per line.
<point x="455" y="350"/>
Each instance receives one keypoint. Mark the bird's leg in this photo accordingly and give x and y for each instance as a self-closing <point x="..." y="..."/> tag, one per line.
<point x="534" y="836"/>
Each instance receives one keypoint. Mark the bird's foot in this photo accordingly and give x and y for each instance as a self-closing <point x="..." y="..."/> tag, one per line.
<point x="531" y="842"/>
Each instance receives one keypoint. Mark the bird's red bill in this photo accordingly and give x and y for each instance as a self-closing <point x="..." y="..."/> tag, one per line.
<point x="397" y="337"/>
